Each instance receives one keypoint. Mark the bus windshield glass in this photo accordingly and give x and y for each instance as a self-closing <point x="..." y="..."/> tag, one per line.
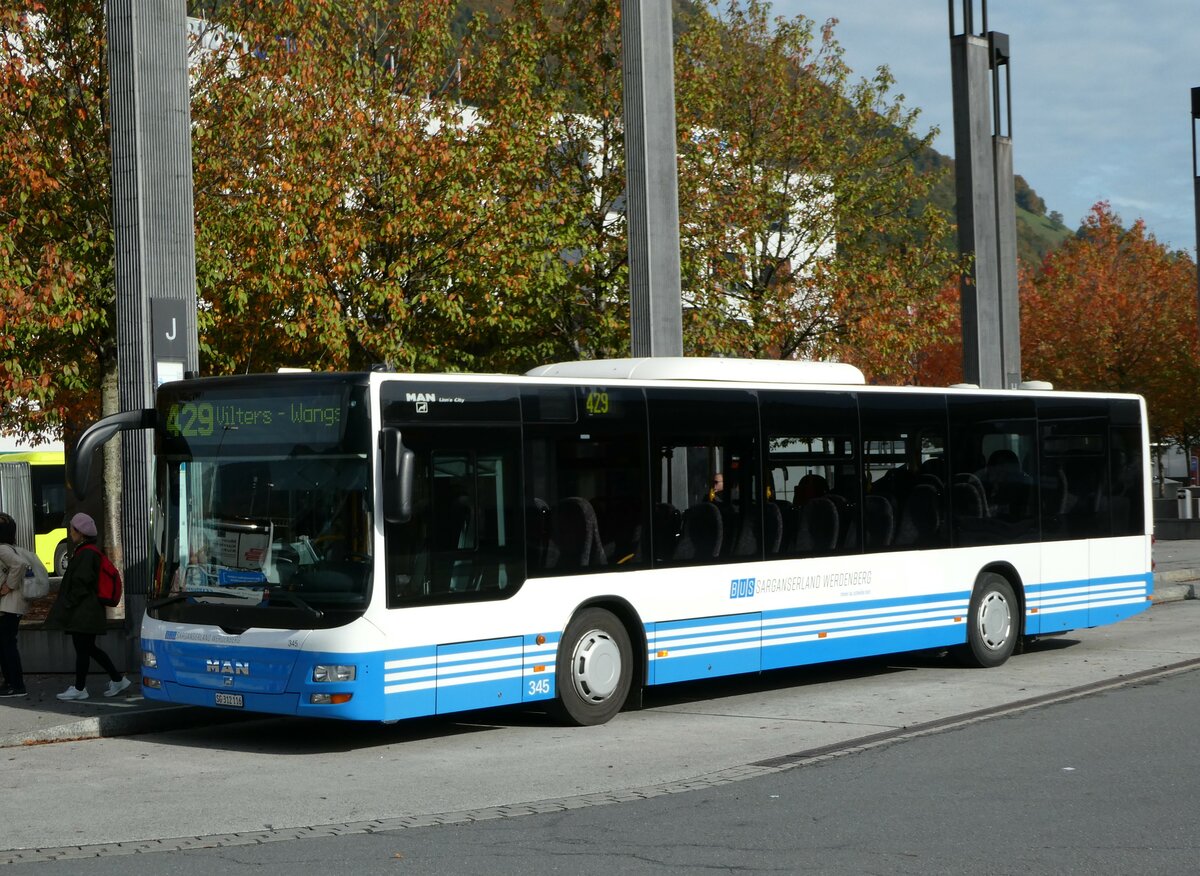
<point x="264" y="508"/>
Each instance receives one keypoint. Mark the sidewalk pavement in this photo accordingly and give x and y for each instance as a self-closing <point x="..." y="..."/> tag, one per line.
<point x="1176" y="570"/>
<point x="41" y="717"/>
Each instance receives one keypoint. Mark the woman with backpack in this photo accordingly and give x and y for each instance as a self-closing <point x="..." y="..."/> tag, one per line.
<point x="12" y="605"/>
<point x="78" y="611"/>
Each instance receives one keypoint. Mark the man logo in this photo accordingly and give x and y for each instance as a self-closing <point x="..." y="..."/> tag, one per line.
<point x="227" y="667"/>
<point x="420" y="396"/>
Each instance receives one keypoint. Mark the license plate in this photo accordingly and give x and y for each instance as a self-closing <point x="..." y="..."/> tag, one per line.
<point x="228" y="699"/>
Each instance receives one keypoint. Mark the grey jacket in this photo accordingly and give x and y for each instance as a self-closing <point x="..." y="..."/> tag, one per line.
<point x="12" y="573"/>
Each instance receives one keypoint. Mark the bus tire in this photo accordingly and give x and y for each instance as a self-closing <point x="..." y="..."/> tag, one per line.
<point x="594" y="669"/>
<point x="993" y="623"/>
<point x="60" y="558"/>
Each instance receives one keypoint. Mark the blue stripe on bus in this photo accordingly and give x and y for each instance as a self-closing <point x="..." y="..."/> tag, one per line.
<point x="730" y="644"/>
<point x="871" y="628"/>
<point x="469" y="675"/>
<point x="1070" y="605"/>
<point x="687" y="649"/>
<point x="475" y="674"/>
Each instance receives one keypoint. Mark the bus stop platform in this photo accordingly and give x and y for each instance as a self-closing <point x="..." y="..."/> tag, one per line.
<point x="40" y="717"/>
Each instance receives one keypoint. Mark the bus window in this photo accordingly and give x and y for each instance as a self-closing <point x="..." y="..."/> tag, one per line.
<point x="1074" y="468"/>
<point x="586" y="479"/>
<point x="812" y="470"/>
<point x="993" y="490"/>
<point x="463" y="539"/>
<point x="705" y="478"/>
<point x="906" y="502"/>
<point x="1127" y="469"/>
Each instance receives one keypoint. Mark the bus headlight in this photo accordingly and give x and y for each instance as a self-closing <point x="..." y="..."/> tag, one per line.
<point x="333" y="672"/>
<point x="149" y="660"/>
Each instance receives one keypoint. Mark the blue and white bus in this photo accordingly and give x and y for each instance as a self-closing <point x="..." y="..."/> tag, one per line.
<point x="380" y="546"/>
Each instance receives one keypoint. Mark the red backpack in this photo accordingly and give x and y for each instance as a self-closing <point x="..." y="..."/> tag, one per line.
<point x="108" y="586"/>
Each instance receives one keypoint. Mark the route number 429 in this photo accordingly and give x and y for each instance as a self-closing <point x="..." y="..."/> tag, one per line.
<point x="539" y="687"/>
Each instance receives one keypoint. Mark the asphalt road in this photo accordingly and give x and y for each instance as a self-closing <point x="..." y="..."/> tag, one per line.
<point x="1075" y="787"/>
<point x="639" y="783"/>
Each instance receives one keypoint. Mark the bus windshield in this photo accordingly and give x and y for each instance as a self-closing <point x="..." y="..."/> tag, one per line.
<point x="261" y="521"/>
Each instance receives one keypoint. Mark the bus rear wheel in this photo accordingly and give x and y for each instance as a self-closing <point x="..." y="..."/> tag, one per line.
<point x="594" y="670"/>
<point x="993" y="623"/>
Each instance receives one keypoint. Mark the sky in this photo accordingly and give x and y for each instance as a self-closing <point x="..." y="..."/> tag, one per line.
<point x="1101" y="93"/>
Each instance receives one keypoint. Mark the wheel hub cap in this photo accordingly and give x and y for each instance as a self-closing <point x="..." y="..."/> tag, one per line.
<point x="995" y="621"/>
<point x="596" y="666"/>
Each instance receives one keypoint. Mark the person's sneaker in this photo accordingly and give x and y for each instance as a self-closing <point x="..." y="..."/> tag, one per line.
<point x="73" y="693"/>
<point x="13" y="692"/>
<point x="115" y="687"/>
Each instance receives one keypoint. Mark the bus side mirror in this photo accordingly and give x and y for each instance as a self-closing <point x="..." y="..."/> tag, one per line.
<point x="97" y="435"/>
<point x="398" y="465"/>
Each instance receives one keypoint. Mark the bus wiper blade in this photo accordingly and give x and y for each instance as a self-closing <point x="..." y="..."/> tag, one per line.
<point x="167" y="600"/>
<point x="314" y="613"/>
<point x="197" y="592"/>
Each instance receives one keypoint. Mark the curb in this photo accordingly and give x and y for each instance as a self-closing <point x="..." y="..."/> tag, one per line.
<point x="157" y="720"/>
<point x="1173" y="585"/>
<point x="1173" y="592"/>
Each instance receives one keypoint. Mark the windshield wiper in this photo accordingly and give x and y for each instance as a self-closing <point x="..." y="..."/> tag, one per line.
<point x="167" y="600"/>
<point x="287" y="595"/>
<point x="195" y="592"/>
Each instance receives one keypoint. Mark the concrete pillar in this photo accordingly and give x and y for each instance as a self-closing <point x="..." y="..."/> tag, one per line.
<point x="976" y="207"/>
<point x="1006" y="214"/>
<point x="155" y="243"/>
<point x="651" y="172"/>
<point x="1196" y="188"/>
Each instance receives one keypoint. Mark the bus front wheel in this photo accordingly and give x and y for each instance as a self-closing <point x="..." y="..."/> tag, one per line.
<point x="993" y="624"/>
<point x="594" y="669"/>
<point x="60" y="558"/>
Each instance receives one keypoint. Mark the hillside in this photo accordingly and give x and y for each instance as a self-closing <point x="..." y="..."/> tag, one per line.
<point x="1037" y="235"/>
<point x="1037" y="232"/>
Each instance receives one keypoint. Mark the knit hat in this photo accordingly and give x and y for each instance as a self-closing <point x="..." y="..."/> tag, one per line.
<point x="84" y="525"/>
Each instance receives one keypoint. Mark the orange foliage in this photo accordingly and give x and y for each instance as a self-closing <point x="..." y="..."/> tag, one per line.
<point x="1114" y="310"/>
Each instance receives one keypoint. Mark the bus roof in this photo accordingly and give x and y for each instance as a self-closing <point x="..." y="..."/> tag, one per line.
<point x="33" y="457"/>
<point x="699" y="368"/>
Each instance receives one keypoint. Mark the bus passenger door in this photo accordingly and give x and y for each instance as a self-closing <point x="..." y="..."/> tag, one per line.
<point x="464" y="538"/>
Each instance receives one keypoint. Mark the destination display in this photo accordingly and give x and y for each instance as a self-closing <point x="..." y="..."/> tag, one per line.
<point x="198" y="423"/>
<point x="203" y="419"/>
<point x="606" y="402"/>
<point x="598" y="402"/>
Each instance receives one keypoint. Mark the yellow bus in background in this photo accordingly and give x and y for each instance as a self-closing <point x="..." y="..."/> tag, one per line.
<point x="47" y="477"/>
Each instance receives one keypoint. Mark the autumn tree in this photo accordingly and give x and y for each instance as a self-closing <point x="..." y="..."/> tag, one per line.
<point x="799" y="229"/>
<point x="371" y="187"/>
<point x="1114" y="310"/>
<point x="57" y="312"/>
<point x="798" y="199"/>
<point x="350" y="208"/>
<point x="939" y="362"/>
<point x="582" y="277"/>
